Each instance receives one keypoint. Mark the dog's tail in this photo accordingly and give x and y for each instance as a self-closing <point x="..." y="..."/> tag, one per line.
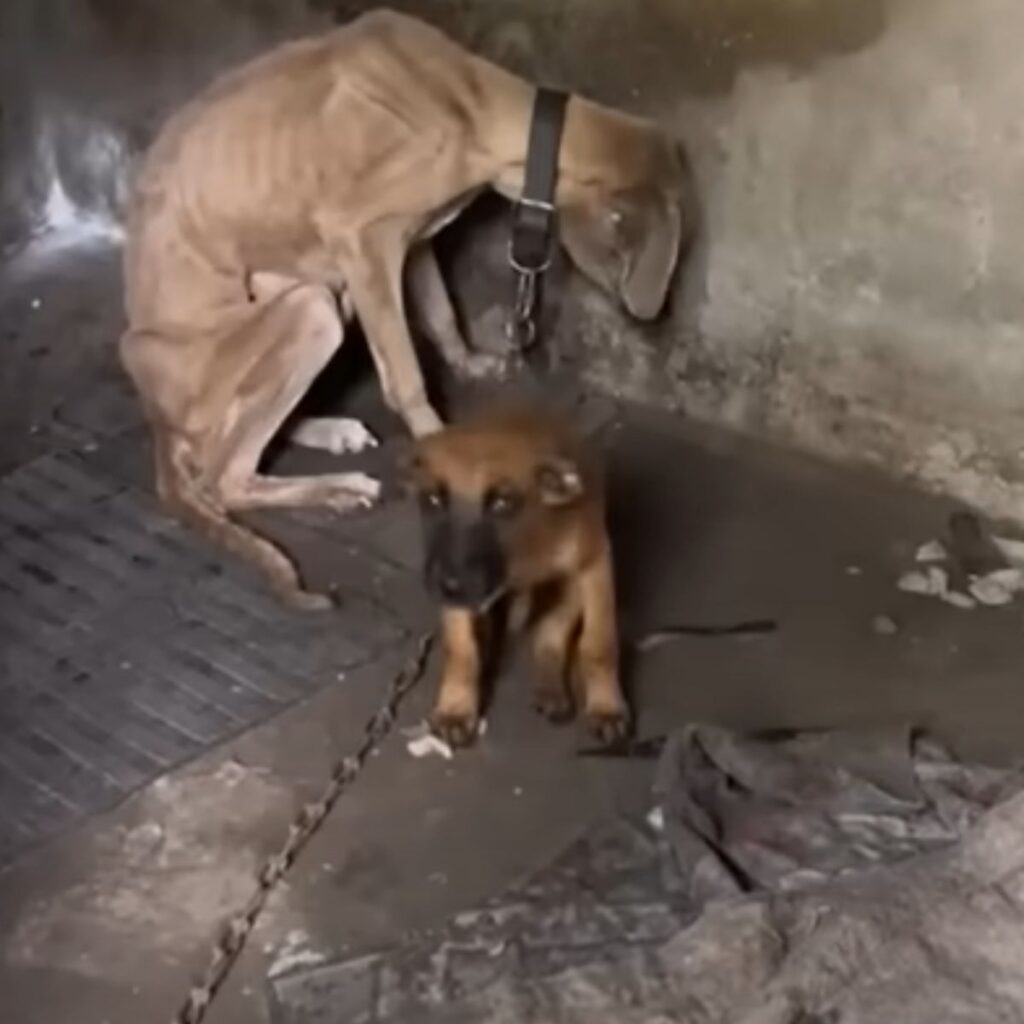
<point x="178" y="488"/>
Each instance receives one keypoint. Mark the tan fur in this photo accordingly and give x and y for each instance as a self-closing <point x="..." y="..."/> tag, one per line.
<point x="559" y="573"/>
<point x="290" y="196"/>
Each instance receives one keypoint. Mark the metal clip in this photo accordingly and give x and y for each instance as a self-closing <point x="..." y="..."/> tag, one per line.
<point x="521" y="327"/>
<point x="528" y="266"/>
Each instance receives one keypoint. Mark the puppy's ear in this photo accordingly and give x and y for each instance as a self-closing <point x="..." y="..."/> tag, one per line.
<point x="559" y="481"/>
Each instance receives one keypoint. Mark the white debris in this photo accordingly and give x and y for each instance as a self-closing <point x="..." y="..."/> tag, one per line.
<point x="993" y="589"/>
<point x="930" y="582"/>
<point x="884" y="625"/>
<point x="997" y="588"/>
<point x="421" y="742"/>
<point x="934" y="582"/>
<point x="1012" y="550"/>
<point x="36" y="303"/>
<point x="294" y="952"/>
<point x="424" y="746"/>
<point x="656" y="819"/>
<point x="958" y="600"/>
<point x="933" y="551"/>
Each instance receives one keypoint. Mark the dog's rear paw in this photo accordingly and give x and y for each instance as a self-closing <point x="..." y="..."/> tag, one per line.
<point x="457" y="730"/>
<point x="354" y="490"/>
<point x="609" y="727"/>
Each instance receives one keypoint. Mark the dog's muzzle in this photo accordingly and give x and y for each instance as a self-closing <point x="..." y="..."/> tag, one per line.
<point x="465" y="567"/>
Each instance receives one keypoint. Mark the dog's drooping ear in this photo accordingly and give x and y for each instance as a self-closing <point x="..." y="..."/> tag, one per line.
<point x="628" y="246"/>
<point x="651" y="264"/>
<point x="559" y="482"/>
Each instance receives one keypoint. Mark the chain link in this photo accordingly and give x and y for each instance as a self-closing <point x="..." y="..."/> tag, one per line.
<point x="521" y="326"/>
<point x="236" y="931"/>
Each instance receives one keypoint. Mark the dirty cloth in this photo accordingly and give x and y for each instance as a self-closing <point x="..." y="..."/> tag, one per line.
<point x="821" y="878"/>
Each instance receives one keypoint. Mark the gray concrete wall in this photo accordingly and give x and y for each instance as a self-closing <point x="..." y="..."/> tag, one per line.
<point x="855" y="289"/>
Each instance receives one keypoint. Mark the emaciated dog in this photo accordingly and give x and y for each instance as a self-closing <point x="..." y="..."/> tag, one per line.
<point x="513" y="507"/>
<point x="302" y="190"/>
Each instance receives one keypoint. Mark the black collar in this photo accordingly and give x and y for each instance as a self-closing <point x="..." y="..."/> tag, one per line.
<point x="533" y="219"/>
<point x="534" y="215"/>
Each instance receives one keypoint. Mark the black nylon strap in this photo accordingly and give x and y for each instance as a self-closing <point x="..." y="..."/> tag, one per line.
<point x="541" y="175"/>
<point x="530" y="249"/>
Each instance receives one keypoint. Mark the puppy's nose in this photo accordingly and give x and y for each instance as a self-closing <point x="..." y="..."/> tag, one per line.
<point x="451" y="587"/>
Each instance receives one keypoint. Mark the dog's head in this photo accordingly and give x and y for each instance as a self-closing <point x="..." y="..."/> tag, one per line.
<point x="626" y="210"/>
<point x="500" y="500"/>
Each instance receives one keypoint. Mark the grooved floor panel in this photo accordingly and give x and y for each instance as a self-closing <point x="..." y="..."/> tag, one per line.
<point x="127" y="647"/>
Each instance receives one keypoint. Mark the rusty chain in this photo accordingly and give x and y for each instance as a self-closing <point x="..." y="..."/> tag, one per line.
<point x="236" y="931"/>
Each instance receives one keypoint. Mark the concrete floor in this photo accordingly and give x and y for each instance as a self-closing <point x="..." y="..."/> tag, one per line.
<point x="108" y="923"/>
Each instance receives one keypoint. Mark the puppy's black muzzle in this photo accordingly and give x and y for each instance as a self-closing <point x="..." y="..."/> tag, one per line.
<point x="464" y="565"/>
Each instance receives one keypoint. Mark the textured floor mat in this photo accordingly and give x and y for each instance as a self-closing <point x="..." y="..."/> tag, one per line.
<point x="785" y="878"/>
<point x="604" y="900"/>
<point x="126" y="647"/>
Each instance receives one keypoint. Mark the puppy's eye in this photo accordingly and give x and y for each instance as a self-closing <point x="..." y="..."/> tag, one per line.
<point x="503" y="504"/>
<point x="434" y="498"/>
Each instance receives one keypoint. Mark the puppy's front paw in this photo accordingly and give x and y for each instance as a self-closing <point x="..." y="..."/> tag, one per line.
<point x="457" y="729"/>
<point x="553" y="704"/>
<point x="609" y="725"/>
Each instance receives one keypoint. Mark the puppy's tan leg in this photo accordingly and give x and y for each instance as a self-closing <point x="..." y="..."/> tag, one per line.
<point x="597" y="654"/>
<point x="520" y="611"/>
<point x="552" y="645"/>
<point x="374" y="272"/>
<point x="457" y="712"/>
<point x="433" y="309"/>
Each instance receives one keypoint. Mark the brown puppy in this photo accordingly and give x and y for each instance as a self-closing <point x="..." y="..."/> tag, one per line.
<point x="513" y="506"/>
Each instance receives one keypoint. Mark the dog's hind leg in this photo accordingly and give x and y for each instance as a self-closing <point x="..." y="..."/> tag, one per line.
<point x="181" y="495"/>
<point x="597" y="655"/>
<point x="217" y="398"/>
<point x="292" y="341"/>
<point x="553" y="638"/>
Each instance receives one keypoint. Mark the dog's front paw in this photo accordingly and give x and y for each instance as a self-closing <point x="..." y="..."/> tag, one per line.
<point x="336" y="435"/>
<point x="457" y="729"/>
<point x="609" y="726"/>
<point x="422" y="420"/>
